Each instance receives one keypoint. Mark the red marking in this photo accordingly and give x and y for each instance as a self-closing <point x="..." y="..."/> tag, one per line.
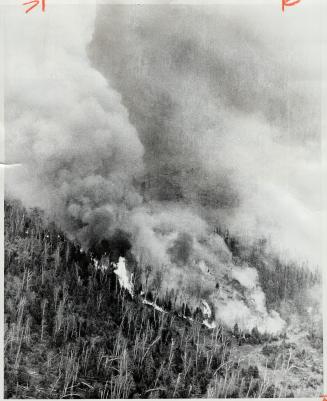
<point x="34" y="4"/>
<point x="289" y="3"/>
<point x="324" y="397"/>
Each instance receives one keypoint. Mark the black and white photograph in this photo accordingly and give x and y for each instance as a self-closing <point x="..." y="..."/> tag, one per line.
<point x="163" y="199"/>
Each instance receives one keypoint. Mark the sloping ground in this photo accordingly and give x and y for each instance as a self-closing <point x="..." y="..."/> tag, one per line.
<point x="71" y="331"/>
<point x="292" y="366"/>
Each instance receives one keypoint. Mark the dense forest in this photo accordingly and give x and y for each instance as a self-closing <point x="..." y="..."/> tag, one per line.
<point x="72" y="332"/>
<point x="280" y="280"/>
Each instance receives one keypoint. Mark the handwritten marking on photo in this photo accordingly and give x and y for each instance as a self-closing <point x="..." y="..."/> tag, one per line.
<point x="34" y="3"/>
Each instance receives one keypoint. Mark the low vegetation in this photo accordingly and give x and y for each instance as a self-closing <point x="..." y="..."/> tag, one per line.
<point x="72" y="332"/>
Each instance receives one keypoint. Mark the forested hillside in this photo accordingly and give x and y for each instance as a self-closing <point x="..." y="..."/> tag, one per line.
<point x="72" y="332"/>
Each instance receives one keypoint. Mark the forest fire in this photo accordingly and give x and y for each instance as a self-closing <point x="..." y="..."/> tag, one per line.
<point x="170" y="215"/>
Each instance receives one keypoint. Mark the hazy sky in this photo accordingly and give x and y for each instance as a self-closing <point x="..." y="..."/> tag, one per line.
<point x="218" y="107"/>
<point x="164" y="121"/>
<point x="226" y="101"/>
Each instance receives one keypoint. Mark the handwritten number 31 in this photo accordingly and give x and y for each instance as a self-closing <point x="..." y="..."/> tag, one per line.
<point x="33" y="4"/>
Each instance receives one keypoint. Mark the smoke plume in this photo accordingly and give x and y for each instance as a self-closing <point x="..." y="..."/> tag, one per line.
<point x="160" y="123"/>
<point x="69" y="129"/>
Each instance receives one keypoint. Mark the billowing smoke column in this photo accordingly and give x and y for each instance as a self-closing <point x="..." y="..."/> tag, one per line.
<point x="69" y="129"/>
<point x="230" y="121"/>
<point x="191" y="261"/>
<point x="179" y="137"/>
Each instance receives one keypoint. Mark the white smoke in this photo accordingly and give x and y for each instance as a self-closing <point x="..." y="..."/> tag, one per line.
<point x="124" y="277"/>
<point x="249" y="310"/>
<point x="67" y="127"/>
<point x="228" y="111"/>
<point x="85" y="146"/>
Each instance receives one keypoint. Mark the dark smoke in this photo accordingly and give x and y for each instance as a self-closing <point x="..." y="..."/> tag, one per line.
<point x="187" y="126"/>
<point x="181" y="250"/>
<point x="220" y="114"/>
<point x="119" y="244"/>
